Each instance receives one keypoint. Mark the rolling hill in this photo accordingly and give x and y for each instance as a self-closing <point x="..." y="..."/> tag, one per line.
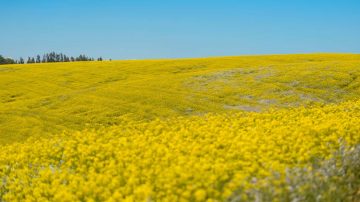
<point x="246" y="128"/>
<point x="50" y="98"/>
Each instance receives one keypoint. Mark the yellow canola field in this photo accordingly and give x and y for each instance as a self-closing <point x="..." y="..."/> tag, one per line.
<point x="213" y="157"/>
<point x="44" y="99"/>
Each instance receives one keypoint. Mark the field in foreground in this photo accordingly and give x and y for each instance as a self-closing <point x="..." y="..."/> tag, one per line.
<point x="234" y="128"/>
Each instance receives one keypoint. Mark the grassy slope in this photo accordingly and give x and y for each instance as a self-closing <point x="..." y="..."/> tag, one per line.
<point x="47" y="98"/>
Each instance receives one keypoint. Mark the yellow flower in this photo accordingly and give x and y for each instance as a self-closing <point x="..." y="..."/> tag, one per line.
<point x="200" y="195"/>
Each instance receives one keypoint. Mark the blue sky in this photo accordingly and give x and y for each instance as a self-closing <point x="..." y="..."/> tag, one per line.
<point x="135" y="29"/>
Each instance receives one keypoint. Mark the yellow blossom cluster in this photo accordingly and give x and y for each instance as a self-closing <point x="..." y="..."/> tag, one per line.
<point x="214" y="157"/>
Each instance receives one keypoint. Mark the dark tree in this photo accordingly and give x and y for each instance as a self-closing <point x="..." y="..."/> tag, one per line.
<point x="38" y="59"/>
<point x="57" y="58"/>
<point x="21" y="60"/>
<point x="66" y="58"/>
<point x="52" y="57"/>
<point x="2" y="60"/>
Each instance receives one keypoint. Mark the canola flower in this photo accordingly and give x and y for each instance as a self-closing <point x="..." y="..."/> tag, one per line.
<point x="215" y="157"/>
<point x="44" y="99"/>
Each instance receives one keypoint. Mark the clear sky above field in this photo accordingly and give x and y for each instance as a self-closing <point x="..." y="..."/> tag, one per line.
<point x="130" y="29"/>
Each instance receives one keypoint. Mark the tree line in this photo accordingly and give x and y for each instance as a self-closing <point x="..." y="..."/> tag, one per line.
<point x="4" y="60"/>
<point x="47" y="58"/>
